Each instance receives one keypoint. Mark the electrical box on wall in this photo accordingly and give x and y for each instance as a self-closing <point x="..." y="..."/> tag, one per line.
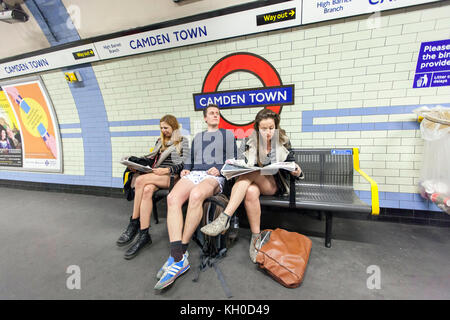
<point x="73" y="76"/>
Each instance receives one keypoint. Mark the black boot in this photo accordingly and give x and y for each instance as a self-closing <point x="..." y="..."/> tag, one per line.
<point x="143" y="239"/>
<point x="129" y="234"/>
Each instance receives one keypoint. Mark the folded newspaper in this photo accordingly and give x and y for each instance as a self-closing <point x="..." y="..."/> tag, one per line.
<point x="233" y="168"/>
<point x="135" y="166"/>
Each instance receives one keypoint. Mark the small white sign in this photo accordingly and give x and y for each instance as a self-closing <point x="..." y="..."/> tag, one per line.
<point x="49" y="61"/>
<point x="322" y="10"/>
<point x="222" y="27"/>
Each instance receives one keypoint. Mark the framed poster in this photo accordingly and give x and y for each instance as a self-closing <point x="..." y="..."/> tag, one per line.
<point x="32" y="141"/>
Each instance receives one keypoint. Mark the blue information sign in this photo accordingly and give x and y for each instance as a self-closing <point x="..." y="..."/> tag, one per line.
<point x="433" y="65"/>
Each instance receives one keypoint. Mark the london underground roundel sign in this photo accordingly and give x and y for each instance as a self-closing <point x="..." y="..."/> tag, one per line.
<point x="272" y="95"/>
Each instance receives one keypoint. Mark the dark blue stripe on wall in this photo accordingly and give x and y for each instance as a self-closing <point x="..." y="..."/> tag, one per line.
<point x="309" y="116"/>
<point x="70" y="126"/>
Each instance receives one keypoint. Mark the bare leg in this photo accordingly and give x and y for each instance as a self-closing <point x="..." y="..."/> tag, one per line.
<point x="253" y="208"/>
<point x="203" y="190"/>
<point x="147" y="205"/>
<point x="175" y="200"/>
<point x="265" y="182"/>
<point x="141" y="182"/>
<point x="238" y="192"/>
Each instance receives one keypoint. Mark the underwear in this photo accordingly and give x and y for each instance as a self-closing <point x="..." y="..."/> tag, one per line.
<point x="198" y="176"/>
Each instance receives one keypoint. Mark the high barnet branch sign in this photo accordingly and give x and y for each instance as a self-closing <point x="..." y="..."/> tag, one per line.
<point x="273" y="95"/>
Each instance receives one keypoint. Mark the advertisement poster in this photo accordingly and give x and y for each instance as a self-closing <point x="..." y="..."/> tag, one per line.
<point x="10" y="137"/>
<point x="35" y="126"/>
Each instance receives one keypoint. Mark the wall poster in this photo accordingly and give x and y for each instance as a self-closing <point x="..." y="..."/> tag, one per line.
<point x="29" y="131"/>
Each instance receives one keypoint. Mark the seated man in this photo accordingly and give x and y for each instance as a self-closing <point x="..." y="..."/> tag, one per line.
<point x="200" y="179"/>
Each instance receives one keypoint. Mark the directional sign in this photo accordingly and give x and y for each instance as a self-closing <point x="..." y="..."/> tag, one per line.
<point x="277" y="16"/>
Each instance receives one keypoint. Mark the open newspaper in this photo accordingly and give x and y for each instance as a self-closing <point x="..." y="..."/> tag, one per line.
<point x="233" y="168"/>
<point x="135" y="166"/>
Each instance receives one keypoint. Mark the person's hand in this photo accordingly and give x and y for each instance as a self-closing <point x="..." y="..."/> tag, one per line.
<point x="132" y="169"/>
<point x="161" y="171"/>
<point x="297" y="171"/>
<point x="184" y="173"/>
<point x="213" y="172"/>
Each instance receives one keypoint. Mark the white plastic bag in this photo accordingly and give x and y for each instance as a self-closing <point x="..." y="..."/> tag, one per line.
<point x="435" y="174"/>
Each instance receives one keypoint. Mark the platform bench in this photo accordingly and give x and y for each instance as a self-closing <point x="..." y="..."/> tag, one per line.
<point x="327" y="186"/>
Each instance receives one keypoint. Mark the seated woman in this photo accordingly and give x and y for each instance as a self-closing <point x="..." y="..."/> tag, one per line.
<point x="267" y="144"/>
<point x="168" y="155"/>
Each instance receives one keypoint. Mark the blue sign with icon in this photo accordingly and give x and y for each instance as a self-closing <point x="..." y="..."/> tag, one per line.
<point x="433" y="65"/>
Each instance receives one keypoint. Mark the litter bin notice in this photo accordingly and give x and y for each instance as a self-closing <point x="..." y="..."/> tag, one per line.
<point x="433" y="65"/>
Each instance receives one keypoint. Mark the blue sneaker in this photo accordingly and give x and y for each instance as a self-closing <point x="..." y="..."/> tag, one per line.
<point x="166" y="265"/>
<point x="173" y="272"/>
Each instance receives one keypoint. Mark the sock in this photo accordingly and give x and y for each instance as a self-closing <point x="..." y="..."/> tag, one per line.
<point x="176" y="250"/>
<point x="184" y="246"/>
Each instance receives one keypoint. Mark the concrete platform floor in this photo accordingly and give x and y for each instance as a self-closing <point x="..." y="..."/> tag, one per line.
<point x="43" y="233"/>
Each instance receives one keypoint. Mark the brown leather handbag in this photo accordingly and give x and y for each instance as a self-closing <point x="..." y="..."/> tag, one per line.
<point x="284" y="256"/>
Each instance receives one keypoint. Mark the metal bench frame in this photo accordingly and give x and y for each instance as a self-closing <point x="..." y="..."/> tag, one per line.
<point x="327" y="186"/>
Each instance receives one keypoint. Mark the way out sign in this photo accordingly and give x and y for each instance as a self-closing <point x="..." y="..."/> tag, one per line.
<point x="273" y="95"/>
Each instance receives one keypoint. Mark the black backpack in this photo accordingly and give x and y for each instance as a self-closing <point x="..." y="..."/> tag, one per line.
<point x="215" y="248"/>
<point x="127" y="190"/>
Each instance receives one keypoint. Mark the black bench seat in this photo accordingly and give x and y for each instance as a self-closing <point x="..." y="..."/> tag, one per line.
<point x="327" y="186"/>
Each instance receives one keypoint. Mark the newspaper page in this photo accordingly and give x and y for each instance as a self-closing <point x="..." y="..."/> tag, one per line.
<point x="233" y="168"/>
<point x="135" y="166"/>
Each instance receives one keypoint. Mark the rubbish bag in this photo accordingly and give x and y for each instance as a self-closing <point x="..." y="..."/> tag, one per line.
<point x="434" y="183"/>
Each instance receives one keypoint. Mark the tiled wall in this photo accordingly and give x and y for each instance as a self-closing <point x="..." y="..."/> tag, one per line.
<point x="353" y="88"/>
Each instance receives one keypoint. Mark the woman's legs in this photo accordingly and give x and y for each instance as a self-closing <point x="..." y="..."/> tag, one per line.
<point x="253" y="207"/>
<point x="141" y="182"/>
<point x="153" y="181"/>
<point x="265" y="183"/>
<point x="145" y="210"/>
<point x="238" y="192"/>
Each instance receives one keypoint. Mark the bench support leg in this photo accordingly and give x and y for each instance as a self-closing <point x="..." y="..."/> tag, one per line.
<point x="155" y="212"/>
<point x="328" y="224"/>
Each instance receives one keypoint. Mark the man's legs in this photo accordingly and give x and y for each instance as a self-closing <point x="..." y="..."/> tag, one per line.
<point x="178" y="263"/>
<point x="175" y="200"/>
<point x="203" y="190"/>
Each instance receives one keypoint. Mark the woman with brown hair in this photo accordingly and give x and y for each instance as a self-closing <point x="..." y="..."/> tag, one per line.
<point x="168" y="154"/>
<point x="267" y="144"/>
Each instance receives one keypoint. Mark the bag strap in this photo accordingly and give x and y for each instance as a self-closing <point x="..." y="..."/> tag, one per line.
<point x="205" y="262"/>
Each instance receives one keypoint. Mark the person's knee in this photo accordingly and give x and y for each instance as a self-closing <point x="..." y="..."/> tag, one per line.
<point x="252" y="194"/>
<point x="196" y="197"/>
<point x="148" y="191"/>
<point x="139" y="183"/>
<point x="172" y="200"/>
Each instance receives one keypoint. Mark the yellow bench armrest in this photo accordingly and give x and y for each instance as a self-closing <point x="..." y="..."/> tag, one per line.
<point x="373" y="184"/>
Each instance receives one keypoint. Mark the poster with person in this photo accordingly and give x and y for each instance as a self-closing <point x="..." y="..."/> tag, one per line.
<point x="10" y="137"/>
<point x="33" y="123"/>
